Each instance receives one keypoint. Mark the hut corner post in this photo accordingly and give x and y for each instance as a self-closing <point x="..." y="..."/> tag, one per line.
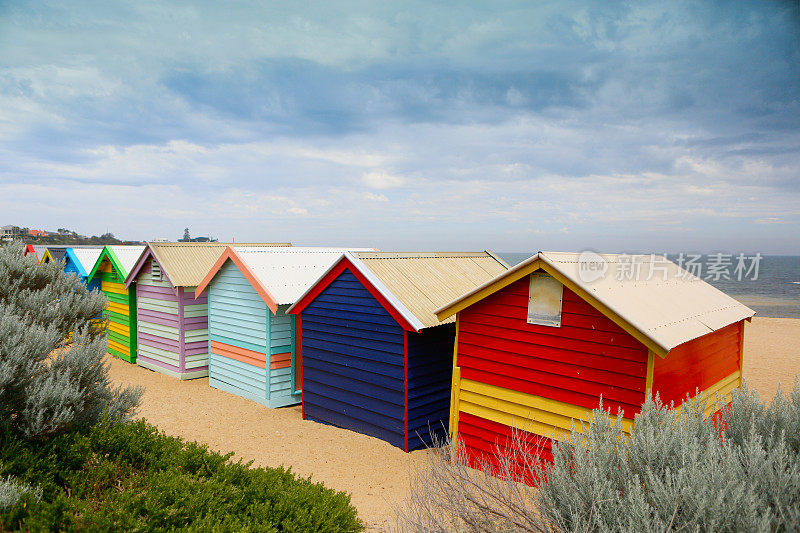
<point x="741" y="353"/>
<point x="268" y="356"/>
<point x="299" y="358"/>
<point x="455" y="392"/>
<point x="651" y="364"/>
<point x="179" y="292"/>
<point x="405" y="386"/>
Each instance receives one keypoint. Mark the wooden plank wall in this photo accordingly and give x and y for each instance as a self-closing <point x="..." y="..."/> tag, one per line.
<point x="159" y="321"/>
<point x="71" y="268"/>
<point x="195" y="331"/>
<point x="120" y="313"/>
<point x="709" y="363"/>
<point x="238" y="321"/>
<point x="281" y="380"/>
<point x="353" y="362"/>
<point x="172" y="326"/>
<point x="430" y="364"/>
<point x="537" y="378"/>
<point x="251" y="349"/>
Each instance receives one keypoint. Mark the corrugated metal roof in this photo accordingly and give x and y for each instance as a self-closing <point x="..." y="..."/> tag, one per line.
<point x="87" y="257"/>
<point x="39" y="250"/>
<point x="186" y="264"/>
<point x="288" y="272"/>
<point x="665" y="303"/>
<point x="423" y="282"/>
<point x="57" y="251"/>
<point x="127" y="256"/>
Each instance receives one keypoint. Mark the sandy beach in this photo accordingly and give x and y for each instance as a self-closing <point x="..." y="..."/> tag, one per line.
<point x="375" y="473"/>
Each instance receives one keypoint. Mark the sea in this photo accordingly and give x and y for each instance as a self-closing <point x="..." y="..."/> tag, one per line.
<point x="772" y="291"/>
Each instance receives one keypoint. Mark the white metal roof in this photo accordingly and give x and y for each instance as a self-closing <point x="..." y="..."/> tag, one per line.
<point x="39" y="249"/>
<point x="287" y="272"/>
<point x="87" y="257"/>
<point x="665" y="303"/>
<point x="127" y="255"/>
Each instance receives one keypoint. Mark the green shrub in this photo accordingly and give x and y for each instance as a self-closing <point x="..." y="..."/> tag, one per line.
<point x="130" y="476"/>
<point x="739" y="471"/>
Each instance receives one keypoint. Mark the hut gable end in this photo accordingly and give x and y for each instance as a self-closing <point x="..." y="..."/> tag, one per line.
<point x="239" y="314"/>
<point x="353" y="361"/>
<point x="588" y="356"/>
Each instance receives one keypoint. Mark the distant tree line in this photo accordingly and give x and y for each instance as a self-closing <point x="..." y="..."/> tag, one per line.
<point x="68" y="237"/>
<point x="75" y="239"/>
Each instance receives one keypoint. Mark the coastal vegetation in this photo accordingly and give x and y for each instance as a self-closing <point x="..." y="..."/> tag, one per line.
<point x="72" y="459"/>
<point x="738" y="470"/>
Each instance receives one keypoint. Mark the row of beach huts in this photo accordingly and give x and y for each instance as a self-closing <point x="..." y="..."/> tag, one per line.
<point x="408" y="346"/>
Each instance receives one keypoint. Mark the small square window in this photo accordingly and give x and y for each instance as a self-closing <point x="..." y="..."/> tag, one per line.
<point x="545" y="296"/>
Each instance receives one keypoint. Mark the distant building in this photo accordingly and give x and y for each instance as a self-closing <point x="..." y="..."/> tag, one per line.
<point x="9" y="233"/>
<point x="38" y="233"/>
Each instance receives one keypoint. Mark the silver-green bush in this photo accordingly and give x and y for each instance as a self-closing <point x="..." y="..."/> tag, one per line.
<point x="676" y="471"/>
<point x="46" y="385"/>
<point x="11" y="490"/>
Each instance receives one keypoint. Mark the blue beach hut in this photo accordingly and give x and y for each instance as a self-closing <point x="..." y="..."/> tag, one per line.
<point x="80" y="260"/>
<point x="251" y="338"/>
<point x="375" y="359"/>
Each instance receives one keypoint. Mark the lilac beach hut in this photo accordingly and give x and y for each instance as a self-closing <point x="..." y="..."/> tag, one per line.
<point x="172" y="326"/>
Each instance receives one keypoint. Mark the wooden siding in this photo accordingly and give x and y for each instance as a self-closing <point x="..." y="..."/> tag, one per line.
<point x="238" y="315"/>
<point x="588" y="356"/>
<point x="238" y="326"/>
<point x="195" y="329"/>
<point x="430" y="363"/>
<point x="353" y="362"/>
<point x="238" y="378"/>
<point x="282" y="346"/>
<point x="697" y="364"/>
<point x="172" y="325"/>
<point x="536" y="379"/>
<point x="244" y="334"/>
<point x="120" y="313"/>
<point x="71" y="268"/>
<point x="514" y="376"/>
<point x="159" y="323"/>
<point x="484" y="441"/>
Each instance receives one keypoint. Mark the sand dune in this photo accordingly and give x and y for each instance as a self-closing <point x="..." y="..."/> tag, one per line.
<point x="375" y="473"/>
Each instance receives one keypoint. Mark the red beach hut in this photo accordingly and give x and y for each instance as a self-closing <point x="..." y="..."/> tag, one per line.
<point x="538" y="345"/>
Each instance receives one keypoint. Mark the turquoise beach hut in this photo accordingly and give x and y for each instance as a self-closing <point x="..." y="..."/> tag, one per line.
<point x="251" y="338"/>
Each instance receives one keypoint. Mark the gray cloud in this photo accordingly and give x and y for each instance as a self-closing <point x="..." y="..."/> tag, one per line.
<point x="410" y="116"/>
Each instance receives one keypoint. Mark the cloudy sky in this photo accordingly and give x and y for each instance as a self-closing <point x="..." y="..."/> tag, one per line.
<point x="515" y="126"/>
